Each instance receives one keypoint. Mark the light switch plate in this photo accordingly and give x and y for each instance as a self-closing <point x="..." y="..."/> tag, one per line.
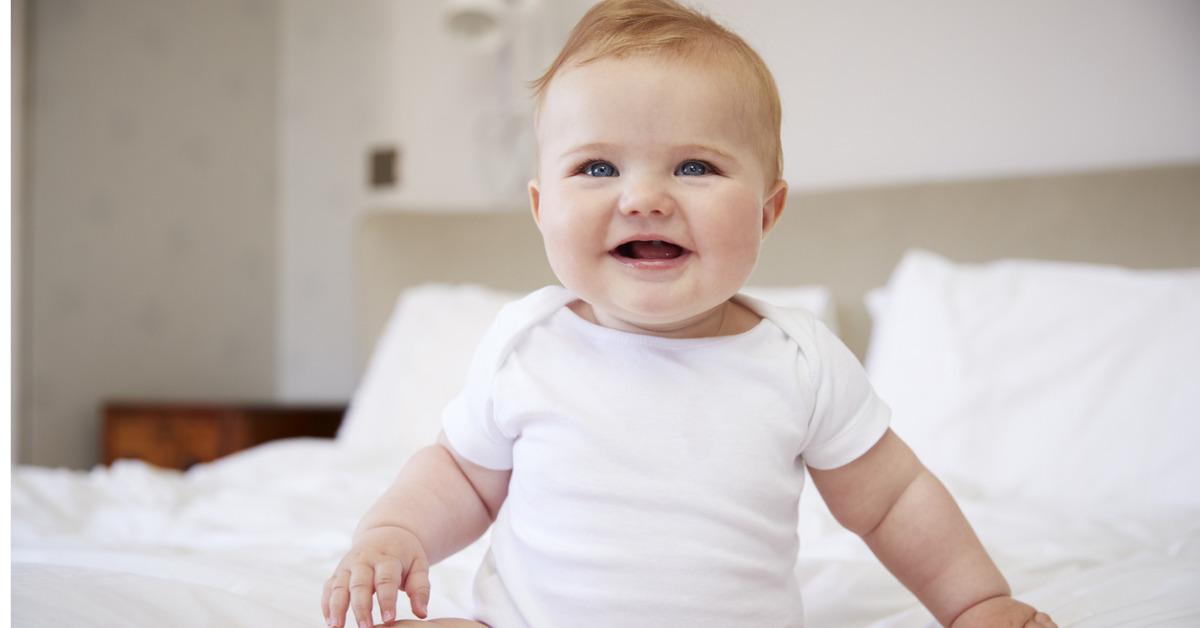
<point x="384" y="167"/>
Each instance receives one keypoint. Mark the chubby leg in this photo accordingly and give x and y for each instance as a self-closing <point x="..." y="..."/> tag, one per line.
<point x="444" y="623"/>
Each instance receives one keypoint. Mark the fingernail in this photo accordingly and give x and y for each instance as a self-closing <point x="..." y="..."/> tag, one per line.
<point x="388" y="616"/>
<point x="362" y="623"/>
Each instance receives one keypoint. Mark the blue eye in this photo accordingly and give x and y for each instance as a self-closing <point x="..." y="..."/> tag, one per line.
<point x="599" y="169"/>
<point x="693" y="168"/>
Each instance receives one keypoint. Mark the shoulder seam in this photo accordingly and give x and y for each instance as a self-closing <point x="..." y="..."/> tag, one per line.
<point x="523" y="314"/>
<point x="790" y="321"/>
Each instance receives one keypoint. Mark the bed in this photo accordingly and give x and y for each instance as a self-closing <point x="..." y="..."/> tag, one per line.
<point x="1036" y="337"/>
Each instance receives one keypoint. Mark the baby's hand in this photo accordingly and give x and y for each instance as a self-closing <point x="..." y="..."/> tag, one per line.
<point x="1003" y="612"/>
<point x="382" y="561"/>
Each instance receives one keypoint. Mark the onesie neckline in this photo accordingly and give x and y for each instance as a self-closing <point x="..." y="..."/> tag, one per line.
<point x="608" y="334"/>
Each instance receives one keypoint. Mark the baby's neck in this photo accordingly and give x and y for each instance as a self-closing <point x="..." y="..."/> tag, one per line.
<point x="727" y="319"/>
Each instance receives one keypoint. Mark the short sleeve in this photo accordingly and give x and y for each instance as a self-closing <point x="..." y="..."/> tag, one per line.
<point x="469" y="421"/>
<point x="848" y="417"/>
<point x="473" y="434"/>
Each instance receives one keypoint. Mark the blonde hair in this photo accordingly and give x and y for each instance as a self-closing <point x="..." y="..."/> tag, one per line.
<point x="618" y="28"/>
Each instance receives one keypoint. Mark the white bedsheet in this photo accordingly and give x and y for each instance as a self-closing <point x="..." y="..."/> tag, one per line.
<point x="248" y="541"/>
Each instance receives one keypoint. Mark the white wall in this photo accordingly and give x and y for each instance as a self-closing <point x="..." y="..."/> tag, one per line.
<point x="873" y="92"/>
<point x="933" y="89"/>
<point x="384" y="73"/>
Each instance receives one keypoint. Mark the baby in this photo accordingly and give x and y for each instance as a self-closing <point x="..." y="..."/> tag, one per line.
<point x="637" y="439"/>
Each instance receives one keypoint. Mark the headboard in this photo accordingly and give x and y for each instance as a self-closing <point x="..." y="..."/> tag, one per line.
<point x="848" y="240"/>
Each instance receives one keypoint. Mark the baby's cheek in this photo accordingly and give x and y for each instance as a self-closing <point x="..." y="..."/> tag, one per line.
<point x="736" y="242"/>
<point x="741" y="256"/>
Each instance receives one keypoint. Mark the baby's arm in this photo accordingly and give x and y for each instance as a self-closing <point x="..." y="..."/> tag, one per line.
<point x="916" y="529"/>
<point x="438" y="505"/>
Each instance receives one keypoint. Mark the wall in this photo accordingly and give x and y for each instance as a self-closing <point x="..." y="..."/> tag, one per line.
<point x="873" y="93"/>
<point x="149" y="230"/>
<point x="340" y="73"/>
<point x="17" y="343"/>
<point x="880" y="92"/>
<point x="385" y="73"/>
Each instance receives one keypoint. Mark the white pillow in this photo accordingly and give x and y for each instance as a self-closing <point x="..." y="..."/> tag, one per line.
<point x="1067" y="383"/>
<point x="421" y="360"/>
<point x="418" y="365"/>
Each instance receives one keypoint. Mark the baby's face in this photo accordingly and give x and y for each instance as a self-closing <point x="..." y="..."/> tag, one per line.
<point x="652" y="193"/>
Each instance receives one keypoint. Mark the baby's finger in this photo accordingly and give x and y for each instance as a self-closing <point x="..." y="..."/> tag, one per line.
<point x="416" y="585"/>
<point x="1043" y="621"/>
<point x="326" y="589"/>
<point x="362" y="586"/>
<point x="387" y="582"/>
<point x="339" y="597"/>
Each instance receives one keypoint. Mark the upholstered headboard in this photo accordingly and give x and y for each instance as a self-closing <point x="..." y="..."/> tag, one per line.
<point x="848" y="240"/>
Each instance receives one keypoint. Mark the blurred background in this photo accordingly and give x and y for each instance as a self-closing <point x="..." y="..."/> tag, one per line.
<point x="189" y="176"/>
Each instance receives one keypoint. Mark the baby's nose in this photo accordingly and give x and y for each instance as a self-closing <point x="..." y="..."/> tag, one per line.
<point x="647" y="198"/>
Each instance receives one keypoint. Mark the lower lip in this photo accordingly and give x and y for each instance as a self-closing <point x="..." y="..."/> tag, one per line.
<point x="652" y="264"/>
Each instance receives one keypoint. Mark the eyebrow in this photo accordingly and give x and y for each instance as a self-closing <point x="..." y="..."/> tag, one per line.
<point x="605" y="147"/>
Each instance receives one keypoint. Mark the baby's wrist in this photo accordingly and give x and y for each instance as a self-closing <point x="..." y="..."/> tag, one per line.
<point x="389" y="529"/>
<point x="999" y="610"/>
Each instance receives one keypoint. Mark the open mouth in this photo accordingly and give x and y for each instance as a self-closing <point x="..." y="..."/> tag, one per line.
<point x="650" y="250"/>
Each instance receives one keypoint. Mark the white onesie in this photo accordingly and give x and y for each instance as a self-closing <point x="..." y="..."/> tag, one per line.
<point x="655" y="480"/>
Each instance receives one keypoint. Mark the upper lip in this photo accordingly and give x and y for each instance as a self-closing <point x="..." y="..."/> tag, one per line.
<point x="648" y="237"/>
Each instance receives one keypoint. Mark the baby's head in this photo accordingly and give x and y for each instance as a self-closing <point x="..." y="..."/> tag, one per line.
<point x="659" y="166"/>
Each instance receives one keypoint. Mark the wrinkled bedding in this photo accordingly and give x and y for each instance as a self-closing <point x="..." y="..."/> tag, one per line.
<point x="248" y="541"/>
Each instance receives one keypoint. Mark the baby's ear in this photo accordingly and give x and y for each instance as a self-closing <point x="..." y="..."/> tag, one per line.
<point x="773" y="205"/>
<point x="534" y="201"/>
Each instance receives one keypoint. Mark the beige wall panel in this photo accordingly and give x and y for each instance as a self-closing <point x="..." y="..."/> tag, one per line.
<point x="151" y="217"/>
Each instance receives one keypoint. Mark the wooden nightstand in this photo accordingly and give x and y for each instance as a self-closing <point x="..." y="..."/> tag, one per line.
<point x="179" y="435"/>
